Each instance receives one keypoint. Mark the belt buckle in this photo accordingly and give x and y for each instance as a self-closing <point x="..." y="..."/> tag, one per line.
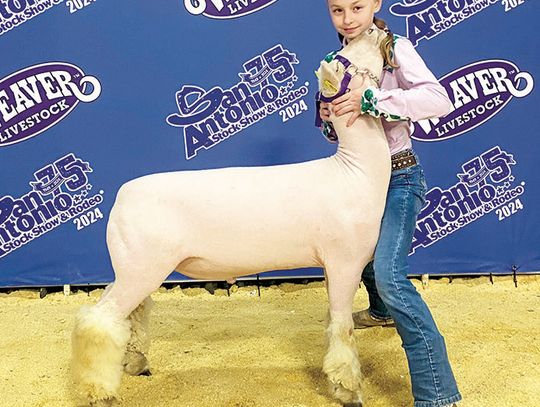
<point x="403" y="160"/>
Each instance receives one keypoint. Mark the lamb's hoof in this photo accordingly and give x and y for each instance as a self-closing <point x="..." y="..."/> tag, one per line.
<point x="110" y="402"/>
<point x="347" y="397"/>
<point x="146" y="372"/>
<point x="136" y="364"/>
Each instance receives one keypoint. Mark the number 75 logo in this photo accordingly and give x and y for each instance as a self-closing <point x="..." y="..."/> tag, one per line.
<point x="494" y="163"/>
<point x="67" y="170"/>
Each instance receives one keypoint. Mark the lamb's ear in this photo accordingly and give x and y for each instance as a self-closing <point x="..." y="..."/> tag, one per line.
<point x="318" y="74"/>
<point x="379" y="35"/>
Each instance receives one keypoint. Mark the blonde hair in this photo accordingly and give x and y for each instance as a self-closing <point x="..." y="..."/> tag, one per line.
<point x="387" y="45"/>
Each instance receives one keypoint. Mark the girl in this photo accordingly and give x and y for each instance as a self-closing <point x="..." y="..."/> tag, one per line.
<point x="408" y="92"/>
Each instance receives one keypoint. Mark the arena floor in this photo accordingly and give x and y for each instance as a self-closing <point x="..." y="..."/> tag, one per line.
<point x="246" y="351"/>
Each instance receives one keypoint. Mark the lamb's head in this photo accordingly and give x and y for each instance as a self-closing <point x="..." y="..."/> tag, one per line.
<point x="362" y="55"/>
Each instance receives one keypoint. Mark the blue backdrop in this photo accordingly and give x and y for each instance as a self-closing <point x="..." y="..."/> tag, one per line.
<point x="94" y="93"/>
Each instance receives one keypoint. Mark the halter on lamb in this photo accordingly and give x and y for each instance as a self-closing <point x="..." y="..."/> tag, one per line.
<point x="220" y="224"/>
<point x="337" y="71"/>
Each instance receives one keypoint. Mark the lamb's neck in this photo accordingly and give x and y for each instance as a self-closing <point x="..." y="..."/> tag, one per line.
<point x="363" y="146"/>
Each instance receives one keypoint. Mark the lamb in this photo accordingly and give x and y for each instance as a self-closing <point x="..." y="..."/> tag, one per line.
<point x="224" y="223"/>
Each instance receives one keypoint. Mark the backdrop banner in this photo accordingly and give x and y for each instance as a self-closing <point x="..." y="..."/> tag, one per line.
<point x="94" y="93"/>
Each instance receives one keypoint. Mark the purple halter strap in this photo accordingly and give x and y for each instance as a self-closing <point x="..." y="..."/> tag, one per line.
<point x="342" y="90"/>
<point x="344" y="82"/>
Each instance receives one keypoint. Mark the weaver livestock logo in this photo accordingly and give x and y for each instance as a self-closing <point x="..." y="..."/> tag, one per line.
<point x="225" y="8"/>
<point x="485" y="186"/>
<point x="479" y="91"/>
<point x="60" y="193"/>
<point x="426" y="19"/>
<point x="36" y="98"/>
<point x="14" y="13"/>
<point x="267" y="85"/>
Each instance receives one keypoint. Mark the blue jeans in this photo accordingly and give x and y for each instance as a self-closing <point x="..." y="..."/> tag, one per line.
<point x="392" y="295"/>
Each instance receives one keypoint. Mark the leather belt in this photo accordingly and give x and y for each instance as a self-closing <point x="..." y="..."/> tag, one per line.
<point x="403" y="159"/>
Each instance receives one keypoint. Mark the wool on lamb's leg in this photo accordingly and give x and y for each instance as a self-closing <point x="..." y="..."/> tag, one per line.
<point x="341" y="363"/>
<point x="102" y="334"/>
<point x="99" y="341"/>
<point x="135" y="360"/>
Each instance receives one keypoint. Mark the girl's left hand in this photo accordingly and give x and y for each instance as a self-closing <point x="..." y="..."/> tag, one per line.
<point x="350" y="102"/>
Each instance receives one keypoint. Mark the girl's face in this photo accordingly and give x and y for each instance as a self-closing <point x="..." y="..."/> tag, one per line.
<point x="352" y="17"/>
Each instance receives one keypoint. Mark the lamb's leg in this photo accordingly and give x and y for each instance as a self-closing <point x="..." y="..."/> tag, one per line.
<point x="102" y="332"/>
<point x="99" y="341"/>
<point x="135" y="361"/>
<point x="341" y="363"/>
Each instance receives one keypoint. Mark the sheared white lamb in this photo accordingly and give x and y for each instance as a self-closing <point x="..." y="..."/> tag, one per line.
<point x="224" y="223"/>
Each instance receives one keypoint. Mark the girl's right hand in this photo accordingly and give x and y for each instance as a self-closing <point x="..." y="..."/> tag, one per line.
<point x="324" y="111"/>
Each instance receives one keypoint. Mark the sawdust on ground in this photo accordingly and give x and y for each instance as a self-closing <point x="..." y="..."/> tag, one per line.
<point x="250" y="351"/>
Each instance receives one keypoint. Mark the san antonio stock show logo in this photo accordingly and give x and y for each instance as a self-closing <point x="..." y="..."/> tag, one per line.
<point x="14" y="13"/>
<point x="486" y="185"/>
<point x="60" y="193"/>
<point x="426" y="19"/>
<point x="267" y="85"/>
<point x="225" y="8"/>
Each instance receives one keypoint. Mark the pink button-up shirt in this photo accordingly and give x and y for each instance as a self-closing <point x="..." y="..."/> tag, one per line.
<point x="410" y="91"/>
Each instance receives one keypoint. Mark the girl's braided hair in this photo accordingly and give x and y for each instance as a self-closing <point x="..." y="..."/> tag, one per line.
<point x="386" y="44"/>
